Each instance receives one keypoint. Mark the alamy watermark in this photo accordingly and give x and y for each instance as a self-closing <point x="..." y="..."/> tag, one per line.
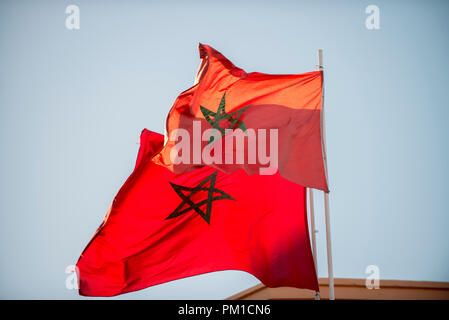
<point x="372" y="21"/>
<point x="228" y="141"/>
<point x="72" y="281"/>
<point x="234" y="147"/>
<point x="373" y="278"/>
<point x="72" y="20"/>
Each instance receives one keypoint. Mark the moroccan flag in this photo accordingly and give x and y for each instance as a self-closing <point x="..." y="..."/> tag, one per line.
<point x="164" y="226"/>
<point x="278" y="118"/>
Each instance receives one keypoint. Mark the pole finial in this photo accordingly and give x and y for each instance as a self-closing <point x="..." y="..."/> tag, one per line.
<point x="320" y="59"/>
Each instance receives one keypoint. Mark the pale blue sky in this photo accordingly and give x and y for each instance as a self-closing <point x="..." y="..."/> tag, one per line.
<point x="73" y="104"/>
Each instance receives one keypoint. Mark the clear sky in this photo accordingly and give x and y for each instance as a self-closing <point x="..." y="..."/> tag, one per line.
<point x="73" y="103"/>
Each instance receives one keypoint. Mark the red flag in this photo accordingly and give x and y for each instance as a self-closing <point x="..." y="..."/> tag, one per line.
<point x="279" y="115"/>
<point x="164" y="226"/>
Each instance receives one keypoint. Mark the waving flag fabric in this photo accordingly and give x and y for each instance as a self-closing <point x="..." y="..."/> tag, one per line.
<point x="164" y="226"/>
<point x="287" y="107"/>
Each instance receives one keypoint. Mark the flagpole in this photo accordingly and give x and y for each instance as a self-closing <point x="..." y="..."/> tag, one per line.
<point x="326" y="194"/>
<point x="313" y="232"/>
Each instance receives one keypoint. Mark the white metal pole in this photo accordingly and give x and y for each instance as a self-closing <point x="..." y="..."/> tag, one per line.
<point x="313" y="233"/>
<point x="329" y="247"/>
<point x="326" y="194"/>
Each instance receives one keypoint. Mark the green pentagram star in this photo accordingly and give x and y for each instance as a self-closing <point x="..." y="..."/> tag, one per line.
<point x="196" y="206"/>
<point x="233" y="118"/>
